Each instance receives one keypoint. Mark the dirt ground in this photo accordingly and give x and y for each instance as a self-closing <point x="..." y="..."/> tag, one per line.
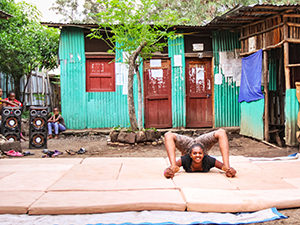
<point x="96" y="146"/>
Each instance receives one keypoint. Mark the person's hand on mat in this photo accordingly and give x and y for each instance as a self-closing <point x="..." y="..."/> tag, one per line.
<point x="231" y="172"/>
<point x="168" y="173"/>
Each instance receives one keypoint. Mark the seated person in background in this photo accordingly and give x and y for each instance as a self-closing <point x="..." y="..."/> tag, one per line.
<point x="195" y="161"/>
<point x="11" y="100"/>
<point x="57" y="123"/>
<point x="184" y="143"/>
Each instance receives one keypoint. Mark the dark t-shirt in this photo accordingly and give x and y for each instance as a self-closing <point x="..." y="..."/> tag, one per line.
<point x="207" y="163"/>
<point x="60" y="120"/>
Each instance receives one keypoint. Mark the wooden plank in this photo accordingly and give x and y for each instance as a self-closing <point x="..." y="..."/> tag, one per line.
<point x="293" y="65"/>
<point x="261" y="32"/>
<point x="286" y="56"/>
<point x="266" y="90"/>
<point x="293" y="40"/>
<point x="292" y="15"/>
<point x="264" y="49"/>
<point x="293" y="24"/>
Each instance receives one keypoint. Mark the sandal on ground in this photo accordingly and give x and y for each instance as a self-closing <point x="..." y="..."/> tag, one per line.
<point x="71" y="152"/>
<point x="81" y="151"/>
<point x="14" y="153"/>
<point x="56" y="153"/>
<point x="28" y="153"/>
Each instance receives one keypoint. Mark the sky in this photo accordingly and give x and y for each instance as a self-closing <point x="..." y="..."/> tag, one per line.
<point x="43" y="6"/>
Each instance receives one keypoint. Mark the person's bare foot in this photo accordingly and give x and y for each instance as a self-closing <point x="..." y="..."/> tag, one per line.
<point x="56" y="137"/>
<point x="50" y="136"/>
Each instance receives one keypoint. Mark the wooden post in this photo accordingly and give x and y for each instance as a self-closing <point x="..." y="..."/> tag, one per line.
<point x="266" y="90"/>
<point x="286" y="56"/>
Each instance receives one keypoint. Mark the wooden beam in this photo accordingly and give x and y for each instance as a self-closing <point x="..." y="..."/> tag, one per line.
<point x="286" y="56"/>
<point x="292" y="15"/>
<point x="266" y="90"/>
<point x="294" y="65"/>
<point x="261" y="32"/>
<point x="264" y="49"/>
<point x="293" y="40"/>
<point x="293" y="24"/>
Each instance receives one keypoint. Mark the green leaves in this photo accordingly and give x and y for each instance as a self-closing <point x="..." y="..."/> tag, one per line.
<point x="134" y="22"/>
<point x="25" y="44"/>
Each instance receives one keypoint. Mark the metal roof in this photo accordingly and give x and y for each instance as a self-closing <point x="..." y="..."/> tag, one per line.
<point x="4" y="15"/>
<point x="94" y="25"/>
<point x="243" y="15"/>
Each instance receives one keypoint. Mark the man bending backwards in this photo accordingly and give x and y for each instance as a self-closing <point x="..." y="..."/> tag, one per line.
<point x="194" y="153"/>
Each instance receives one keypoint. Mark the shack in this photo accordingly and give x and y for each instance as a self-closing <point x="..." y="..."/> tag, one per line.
<point x="178" y="87"/>
<point x="274" y="29"/>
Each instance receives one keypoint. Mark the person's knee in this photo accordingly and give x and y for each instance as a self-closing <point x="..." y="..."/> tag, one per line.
<point x="221" y="132"/>
<point x="169" y="135"/>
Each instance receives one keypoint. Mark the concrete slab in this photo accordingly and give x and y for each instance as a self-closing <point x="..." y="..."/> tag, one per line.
<point x="30" y="180"/>
<point x="112" y="201"/>
<point x="89" y="177"/>
<point x="212" y="200"/>
<point x="16" y="202"/>
<point x="5" y="174"/>
<point x="213" y="179"/>
<point x="33" y="161"/>
<point x="283" y="169"/>
<point x="252" y="177"/>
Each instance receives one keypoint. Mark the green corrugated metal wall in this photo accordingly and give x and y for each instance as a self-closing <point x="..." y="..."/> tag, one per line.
<point x="227" y="108"/>
<point x="252" y="124"/>
<point x="72" y="63"/>
<point x="176" y="47"/>
<point x="83" y="109"/>
<point x="291" y="115"/>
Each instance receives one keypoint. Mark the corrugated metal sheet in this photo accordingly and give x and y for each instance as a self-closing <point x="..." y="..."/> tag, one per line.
<point x="252" y="119"/>
<point x="291" y="114"/>
<point x="83" y="109"/>
<point x="226" y="106"/>
<point x="72" y="64"/>
<point x="10" y="84"/>
<point x="273" y="70"/>
<point x="176" y="47"/>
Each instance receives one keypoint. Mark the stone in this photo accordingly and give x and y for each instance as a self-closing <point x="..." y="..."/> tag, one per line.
<point x="127" y="137"/>
<point x="154" y="143"/>
<point x="121" y="144"/>
<point x="150" y="134"/>
<point x="141" y="137"/>
<point x="114" y="135"/>
<point x="160" y="142"/>
<point x="11" y="145"/>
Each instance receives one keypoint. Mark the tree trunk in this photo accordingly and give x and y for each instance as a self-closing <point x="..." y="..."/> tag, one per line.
<point x="28" y="77"/>
<point x="130" y="98"/>
<point x="140" y="98"/>
<point x="17" y="87"/>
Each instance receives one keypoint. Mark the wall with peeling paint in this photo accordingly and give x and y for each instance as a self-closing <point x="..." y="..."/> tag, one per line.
<point x="83" y="109"/>
<point x="291" y="115"/>
<point x="226" y="106"/>
<point x="176" y="47"/>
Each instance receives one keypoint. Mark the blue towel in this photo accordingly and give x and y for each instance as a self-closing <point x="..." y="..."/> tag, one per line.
<point x="250" y="89"/>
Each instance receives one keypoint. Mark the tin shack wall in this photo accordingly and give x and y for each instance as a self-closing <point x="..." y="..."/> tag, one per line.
<point x="176" y="47"/>
<point x="83" y="109"/>
<point x="291" y="115"/>
<point x="226" y="106"/>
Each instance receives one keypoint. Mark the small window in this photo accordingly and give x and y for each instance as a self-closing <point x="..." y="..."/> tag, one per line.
<point x="100" y="75"/>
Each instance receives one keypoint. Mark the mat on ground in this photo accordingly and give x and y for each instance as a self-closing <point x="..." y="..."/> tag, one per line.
<point x="146" y="217"/>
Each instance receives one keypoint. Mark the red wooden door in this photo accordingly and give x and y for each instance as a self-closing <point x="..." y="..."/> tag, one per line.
<point x="198" y="93"/>
<point x="157" y="94"/>
<point x="100" y="75"/>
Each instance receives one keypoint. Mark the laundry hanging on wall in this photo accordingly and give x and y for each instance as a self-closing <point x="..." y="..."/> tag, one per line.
<point x="250" y="89"/>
